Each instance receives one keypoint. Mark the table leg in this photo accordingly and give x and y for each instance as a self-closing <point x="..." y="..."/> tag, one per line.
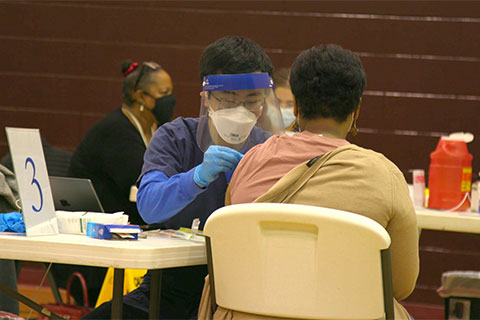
<point x="155" y="293"/>
<point x="53" y="285"/>
<point x="30" y="303"/>
<point x="117" y="302"/>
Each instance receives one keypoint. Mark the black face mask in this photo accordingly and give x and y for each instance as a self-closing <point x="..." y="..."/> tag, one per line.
<point x="163" y="109"/>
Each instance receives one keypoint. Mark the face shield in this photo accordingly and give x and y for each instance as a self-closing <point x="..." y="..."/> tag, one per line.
<point x="234" y="107"/>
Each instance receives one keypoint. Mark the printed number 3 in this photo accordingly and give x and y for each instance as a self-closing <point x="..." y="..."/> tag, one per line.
<point x="35" y="182"/>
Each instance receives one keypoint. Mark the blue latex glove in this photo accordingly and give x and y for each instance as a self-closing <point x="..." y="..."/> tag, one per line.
<point x="215" y="160"/>
<point x="12" y="222"/>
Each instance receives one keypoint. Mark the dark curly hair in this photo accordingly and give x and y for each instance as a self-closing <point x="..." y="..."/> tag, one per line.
<point x="327" y="81"/>
<point x="234" y="55"/>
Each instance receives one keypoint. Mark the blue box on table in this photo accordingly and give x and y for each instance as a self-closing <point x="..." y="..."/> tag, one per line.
<point x="115" y="231"/>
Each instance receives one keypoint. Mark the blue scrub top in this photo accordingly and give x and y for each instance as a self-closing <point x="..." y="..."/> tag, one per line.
<point x="173" y="151"/>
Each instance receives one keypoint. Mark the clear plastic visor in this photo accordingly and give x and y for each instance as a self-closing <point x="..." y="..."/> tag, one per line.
<point x="236" y="107"/>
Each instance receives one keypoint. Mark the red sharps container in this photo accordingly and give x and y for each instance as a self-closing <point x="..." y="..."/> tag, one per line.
<point x="450" y="175"/>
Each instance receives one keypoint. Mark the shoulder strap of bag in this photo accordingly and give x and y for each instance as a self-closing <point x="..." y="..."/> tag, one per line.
<point x="310" y="168"/>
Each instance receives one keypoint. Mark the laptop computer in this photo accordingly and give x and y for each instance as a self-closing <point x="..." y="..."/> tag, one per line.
<point x="74" y="194"/>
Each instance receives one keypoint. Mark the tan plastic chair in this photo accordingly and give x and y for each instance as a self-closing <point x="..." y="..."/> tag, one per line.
<point x="298" y="261"/>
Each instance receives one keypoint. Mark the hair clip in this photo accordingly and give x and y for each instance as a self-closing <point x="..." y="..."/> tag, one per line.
<point x="132" y="67"/>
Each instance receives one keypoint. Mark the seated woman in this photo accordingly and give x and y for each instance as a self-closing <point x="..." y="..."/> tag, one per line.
<point x="327" y="82"/>
<point x="111" y="153"/>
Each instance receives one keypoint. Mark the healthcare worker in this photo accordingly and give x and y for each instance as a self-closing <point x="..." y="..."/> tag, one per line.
<point x="281" y="80"/>
<point x="189" y="162"/>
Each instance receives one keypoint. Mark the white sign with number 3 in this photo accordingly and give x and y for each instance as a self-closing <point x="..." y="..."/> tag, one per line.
<point x="33" y="183"/>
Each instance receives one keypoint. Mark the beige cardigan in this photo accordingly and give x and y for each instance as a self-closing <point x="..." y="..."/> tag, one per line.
<point x="358" y="180"/>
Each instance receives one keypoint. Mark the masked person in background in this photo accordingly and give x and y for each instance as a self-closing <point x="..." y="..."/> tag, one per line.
<point x="190" y="161"/>
<point x="284" y="95"/>
<point x="111" y="153"/>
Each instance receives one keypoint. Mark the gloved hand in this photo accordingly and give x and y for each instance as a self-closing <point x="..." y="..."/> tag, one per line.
<point x="12" y="221"/>
<point x="215" y="160"/>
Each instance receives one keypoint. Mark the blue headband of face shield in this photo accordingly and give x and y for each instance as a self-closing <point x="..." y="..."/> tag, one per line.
<point x="232" y="82"/>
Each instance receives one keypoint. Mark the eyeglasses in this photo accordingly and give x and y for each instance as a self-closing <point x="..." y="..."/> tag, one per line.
<point x="252" y="105"/>
<point x="146" y="65"/>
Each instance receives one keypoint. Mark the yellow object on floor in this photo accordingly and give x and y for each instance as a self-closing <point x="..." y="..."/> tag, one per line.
<point x="133" y="279"/>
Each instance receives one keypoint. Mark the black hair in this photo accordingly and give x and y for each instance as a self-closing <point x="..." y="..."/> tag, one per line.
<point x="327" y="81"/>
<point x="137" y="76"/>
<point x="234" y="55"/>
<point x="281" y="77"/>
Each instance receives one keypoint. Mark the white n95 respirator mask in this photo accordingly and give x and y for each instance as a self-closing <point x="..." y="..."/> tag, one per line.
<point x="233" y="124"/>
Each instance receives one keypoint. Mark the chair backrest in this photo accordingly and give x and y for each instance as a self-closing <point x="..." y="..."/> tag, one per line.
<point x="298" y="261"/>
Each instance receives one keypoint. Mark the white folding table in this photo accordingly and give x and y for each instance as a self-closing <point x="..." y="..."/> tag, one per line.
<point x="467" y="222"/>
<point x="154" y="253"/>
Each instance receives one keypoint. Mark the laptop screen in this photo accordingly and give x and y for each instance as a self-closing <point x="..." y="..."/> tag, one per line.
<point x="74" y="194"/>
